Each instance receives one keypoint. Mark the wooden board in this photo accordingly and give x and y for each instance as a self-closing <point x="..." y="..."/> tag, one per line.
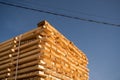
<point x="42" y="54"/>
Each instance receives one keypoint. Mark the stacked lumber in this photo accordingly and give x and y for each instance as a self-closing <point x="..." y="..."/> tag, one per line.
<point x="42" y="54"/>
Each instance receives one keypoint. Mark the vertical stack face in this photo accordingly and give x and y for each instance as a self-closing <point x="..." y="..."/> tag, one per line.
<point x="42" y="54"/>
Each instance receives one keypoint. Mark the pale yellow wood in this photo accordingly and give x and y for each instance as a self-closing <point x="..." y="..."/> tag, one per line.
<point x="57" y="57"/>
<point x="29" y="75"/>
<point x="34" y="52"/>
<point x="27" y="45"/>
<point x="6" y="54"/>
<point x="5" y="43"/>
<point x="32" y="63"/>
<point x="21" y="61"/>
<point x="55" y="74"/>
<point x="5" y="48"/>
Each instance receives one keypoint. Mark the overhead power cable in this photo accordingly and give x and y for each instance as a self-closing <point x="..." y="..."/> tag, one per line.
<point x="58" y="14"/>
<point x="67" y="10"/>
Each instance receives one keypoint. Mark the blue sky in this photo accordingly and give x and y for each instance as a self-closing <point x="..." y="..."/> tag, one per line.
<point x="101" y="43"/>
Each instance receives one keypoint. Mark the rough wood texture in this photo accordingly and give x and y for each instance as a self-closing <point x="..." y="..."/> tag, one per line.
<point x="42" y="54"/>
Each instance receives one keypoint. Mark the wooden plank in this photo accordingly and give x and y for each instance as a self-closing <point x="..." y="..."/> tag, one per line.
<point x="56" y="65"/>
<point x="25" y="46"/>
<point x="2" y="76"/>
<point x="7" y="52"/>
<point x="20" y="56"/>
<point x="6" y="55"/>
<point x="4" y="71"/>
<point x="29" y="75"/>
<point x="5" y="48"/>
<point x="51" y="41"/>
<point x="34" y="62"/>
<point x="55" y="74"/>
<point x="72" y="56"/>
<point x="49" y="62"/>
<point x="28" y="69"/>
<point x="21" y="61"/>
<point x="5" y="43"/>
<point x="64" y="39"/>
<point x="65" y="60"/>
